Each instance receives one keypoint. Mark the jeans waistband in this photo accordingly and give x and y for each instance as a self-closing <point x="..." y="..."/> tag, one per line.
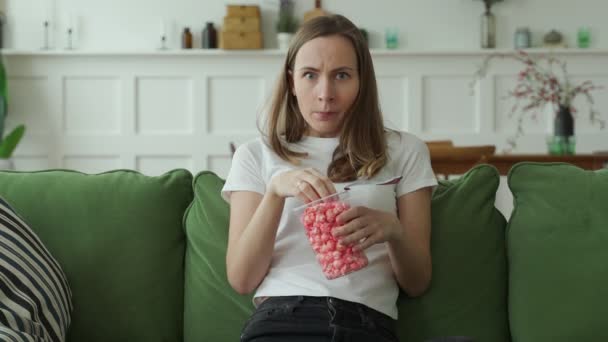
<point x="366" y="313"/>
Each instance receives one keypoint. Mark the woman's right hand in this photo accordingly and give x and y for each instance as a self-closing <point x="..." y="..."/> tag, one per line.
<point x="305" y="184"/>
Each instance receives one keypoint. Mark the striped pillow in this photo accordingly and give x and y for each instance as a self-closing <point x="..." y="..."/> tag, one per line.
<point x="35" y="298"/>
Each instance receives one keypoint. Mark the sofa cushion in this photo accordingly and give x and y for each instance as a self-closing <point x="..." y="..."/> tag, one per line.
<point x="35" y="298"/>
<point x="119" y="238"/>
<point x="468" y="292"/>
<point x="557" y="237"/>
<point x="213" y="310"/>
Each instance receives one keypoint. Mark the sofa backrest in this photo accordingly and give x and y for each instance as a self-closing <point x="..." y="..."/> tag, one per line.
<point x="468" y="295"/>
<point x="557" y="241"/>
<point x="118" y="236"/>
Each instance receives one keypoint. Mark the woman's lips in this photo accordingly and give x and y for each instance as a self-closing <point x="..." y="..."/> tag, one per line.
<point x="323" y="116"/>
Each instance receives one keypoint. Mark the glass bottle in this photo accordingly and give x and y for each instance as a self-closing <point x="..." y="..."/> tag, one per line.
<point x="209" y="37"/>
<point x="187" y="39"/>
<point x="488" y="29"/>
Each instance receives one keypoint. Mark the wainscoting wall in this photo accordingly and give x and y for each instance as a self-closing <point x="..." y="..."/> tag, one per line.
<point x="154" y="111"/>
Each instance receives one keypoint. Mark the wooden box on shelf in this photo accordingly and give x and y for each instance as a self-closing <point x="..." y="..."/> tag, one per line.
<point x="243" y="10"/>
<point x="242" y="24"/>
<point x="240" y="40"/>
<point x="241" y="29"/>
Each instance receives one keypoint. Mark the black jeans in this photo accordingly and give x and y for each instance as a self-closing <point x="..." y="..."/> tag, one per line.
<point x="319" y="319"/>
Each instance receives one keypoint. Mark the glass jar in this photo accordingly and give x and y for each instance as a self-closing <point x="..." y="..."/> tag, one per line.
<point x="522" y="38"/>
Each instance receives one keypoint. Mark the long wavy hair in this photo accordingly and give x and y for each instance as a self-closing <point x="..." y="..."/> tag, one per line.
<point x="361" y="151"/>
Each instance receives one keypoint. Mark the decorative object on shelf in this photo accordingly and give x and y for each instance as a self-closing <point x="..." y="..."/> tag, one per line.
<point x="72" y="24"/>
<point x="163" y="34"/>
<point x="187" y="39"/>
<point x="554" y="39"/>
<point x="488" y="25"/>
<point x="315" y="12"/>
<point x="46" y="26"/>
<point x="523" y="38"/>
<point x="563" y="141"/>
<point x="540" y="85"/>
<point x="241" y="29"/>
<point x="583" y="37"/>
<point x="286" y="25"/>
<point x="392" y="37"/>
<point x="209" y="36"/>
<point x="9" y="142"/>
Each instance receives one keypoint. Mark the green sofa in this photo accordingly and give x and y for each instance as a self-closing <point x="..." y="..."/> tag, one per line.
<point x="144" y="256"/>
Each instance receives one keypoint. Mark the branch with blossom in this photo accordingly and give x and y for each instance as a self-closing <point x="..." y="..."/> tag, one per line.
<point x="539" y="85"/>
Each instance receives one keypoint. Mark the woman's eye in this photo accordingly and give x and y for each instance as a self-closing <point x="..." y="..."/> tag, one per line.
<point x="309" y="75"/>
<point x="342" y="76"/>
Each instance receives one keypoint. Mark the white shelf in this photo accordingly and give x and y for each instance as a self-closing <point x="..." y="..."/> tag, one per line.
<point x="276" y="52"/>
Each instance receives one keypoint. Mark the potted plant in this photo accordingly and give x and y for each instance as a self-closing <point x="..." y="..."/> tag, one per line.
<point x="287" y="24"/>
<point x="8" y="142"/>
<point x="539" y="85"/>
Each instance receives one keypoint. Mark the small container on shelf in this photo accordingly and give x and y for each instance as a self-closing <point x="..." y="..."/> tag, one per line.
<point x="187" y="39"/>
<point x="209" y="40"/>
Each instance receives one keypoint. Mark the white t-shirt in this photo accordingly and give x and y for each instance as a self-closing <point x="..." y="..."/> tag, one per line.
<point x="294" y="269"/>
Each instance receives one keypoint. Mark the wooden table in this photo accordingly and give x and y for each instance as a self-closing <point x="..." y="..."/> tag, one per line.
<point x="457" y="164"/>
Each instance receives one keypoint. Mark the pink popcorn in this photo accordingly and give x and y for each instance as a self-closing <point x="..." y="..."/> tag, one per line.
<point x="336" y="260"/>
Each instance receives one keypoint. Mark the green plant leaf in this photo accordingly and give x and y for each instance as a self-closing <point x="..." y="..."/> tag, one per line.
<point x="8" y="145"/>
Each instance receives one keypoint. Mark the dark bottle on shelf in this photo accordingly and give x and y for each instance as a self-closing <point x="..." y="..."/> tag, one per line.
<point x="209" y="37"/>
<point x="187" y="39"/>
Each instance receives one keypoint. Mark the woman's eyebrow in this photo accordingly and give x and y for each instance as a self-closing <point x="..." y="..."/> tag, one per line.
<point x="308" y="68"/>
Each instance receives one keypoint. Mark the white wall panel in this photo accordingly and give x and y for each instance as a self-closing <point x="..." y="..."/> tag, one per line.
<point x="219" y="164"/>
<point x="448" y="106"/>
<point x="91" y="164"/>
<point x="164" y="105"/>
<point x="393" y="92"/>
<point x="157" y="165"/>
<point x="234" y="102"/>
<point x="92" y="105"/>
<point x="31" y="163"/>
<point x="29" y="104"/>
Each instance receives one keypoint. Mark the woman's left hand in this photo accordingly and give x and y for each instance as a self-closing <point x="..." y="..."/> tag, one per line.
<point x="363" y="227"/>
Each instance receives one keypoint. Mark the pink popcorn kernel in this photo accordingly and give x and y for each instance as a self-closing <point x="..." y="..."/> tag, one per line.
<point x="336" y="260"/>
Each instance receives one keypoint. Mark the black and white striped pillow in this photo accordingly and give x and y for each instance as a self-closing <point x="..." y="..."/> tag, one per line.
<point x="35" y="298"/>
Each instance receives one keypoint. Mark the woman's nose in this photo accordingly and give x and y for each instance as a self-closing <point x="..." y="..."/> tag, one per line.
<point x="326" y="91"/>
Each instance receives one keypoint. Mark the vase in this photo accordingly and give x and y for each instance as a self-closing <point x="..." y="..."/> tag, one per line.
<point x="284" y="39"/>
<point x="563" y="141"/>
<point x="488" y="30"/>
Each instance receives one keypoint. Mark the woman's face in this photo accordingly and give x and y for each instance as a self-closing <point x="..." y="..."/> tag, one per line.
<point x="325" y="82"/>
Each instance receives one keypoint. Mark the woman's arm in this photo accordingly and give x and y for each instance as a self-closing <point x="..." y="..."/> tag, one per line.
<point x="254" y="221"/>
<point x="408" y="236"/>
<point x="410" y="250"/>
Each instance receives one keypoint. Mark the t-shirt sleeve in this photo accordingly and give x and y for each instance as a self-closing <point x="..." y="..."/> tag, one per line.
<point x="416" y="167"/>
<point x="245" y="173"/>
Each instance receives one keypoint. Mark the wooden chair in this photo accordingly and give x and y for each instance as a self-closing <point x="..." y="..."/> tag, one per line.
<point x="447" y="159"/>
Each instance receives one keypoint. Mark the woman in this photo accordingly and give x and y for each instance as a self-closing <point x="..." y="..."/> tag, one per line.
<point x="325" y="131"/>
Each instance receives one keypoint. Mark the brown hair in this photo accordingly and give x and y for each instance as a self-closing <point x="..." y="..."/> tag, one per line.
<point x="362" y="148"/>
